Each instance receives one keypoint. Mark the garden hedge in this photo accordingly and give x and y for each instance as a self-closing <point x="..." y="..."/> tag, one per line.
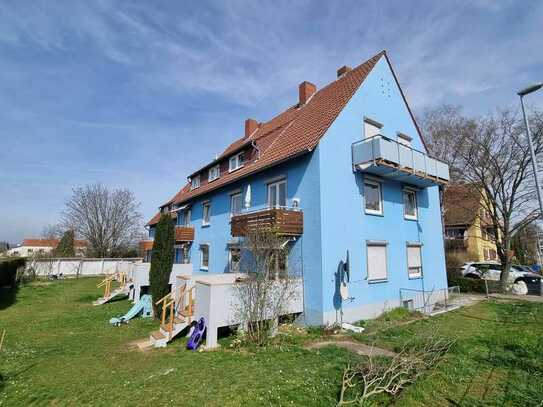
<point x="8" y="270"/>
<point x="473" y="285"/>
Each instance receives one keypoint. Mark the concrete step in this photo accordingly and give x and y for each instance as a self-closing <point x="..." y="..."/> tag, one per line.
<point x="156" y="335"/>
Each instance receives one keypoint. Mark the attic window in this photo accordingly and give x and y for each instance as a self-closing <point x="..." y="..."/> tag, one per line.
<point x="214" y="173"/>
<point x="195" y="182"/>
<point x="371" y="128"/>
<point x="236" y="162"/>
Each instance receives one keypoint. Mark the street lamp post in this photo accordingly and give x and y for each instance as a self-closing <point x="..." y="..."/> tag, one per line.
<point x="523" y="93"/>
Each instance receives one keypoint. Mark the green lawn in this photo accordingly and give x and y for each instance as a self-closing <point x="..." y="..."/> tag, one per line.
<point x="60" y="350"/>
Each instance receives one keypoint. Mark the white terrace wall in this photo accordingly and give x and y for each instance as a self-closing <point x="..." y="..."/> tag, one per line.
<point x="78" y="267"/>
<point x="141" y="277"/>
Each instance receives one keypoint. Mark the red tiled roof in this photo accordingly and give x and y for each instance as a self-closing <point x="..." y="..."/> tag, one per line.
<point x="294" y="132"/>
<point x="154" y="220"/>
<point x="51" y="243"/>
<point x="461" y="204"/>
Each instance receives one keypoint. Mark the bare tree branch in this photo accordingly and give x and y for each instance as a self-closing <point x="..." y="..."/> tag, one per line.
<point x="108" y="219"/>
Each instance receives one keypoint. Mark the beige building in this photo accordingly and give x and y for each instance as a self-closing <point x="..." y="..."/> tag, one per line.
<point x="469" y="232"/>
<point x="38" y="247"/>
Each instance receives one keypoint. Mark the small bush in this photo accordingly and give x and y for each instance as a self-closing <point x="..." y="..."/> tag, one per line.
<point x="453" y="262"/>
<point x="8" y="271"/>
<point x="473" y="285"/>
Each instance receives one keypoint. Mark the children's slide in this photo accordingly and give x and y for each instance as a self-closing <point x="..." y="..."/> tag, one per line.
<point x="144" y="307"/>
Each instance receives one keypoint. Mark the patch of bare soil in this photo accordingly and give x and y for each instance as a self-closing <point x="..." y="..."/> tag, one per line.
<point x="355" y="347"/>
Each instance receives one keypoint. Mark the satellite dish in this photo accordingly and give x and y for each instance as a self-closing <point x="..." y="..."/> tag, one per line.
<point x="344" y="291"/>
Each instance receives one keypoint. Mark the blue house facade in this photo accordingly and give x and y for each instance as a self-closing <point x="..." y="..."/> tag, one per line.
<point x="344" y="170"/>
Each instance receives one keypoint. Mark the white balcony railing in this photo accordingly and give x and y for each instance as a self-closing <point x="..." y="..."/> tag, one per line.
<point x="384" y="156"/>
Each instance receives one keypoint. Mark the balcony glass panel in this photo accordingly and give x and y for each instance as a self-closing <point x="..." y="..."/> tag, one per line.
<point x="388" y="158"/>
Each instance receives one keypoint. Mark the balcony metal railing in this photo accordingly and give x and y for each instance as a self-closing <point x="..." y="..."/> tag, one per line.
<point x="384" y="156"/>
<point x="284" y="221"/>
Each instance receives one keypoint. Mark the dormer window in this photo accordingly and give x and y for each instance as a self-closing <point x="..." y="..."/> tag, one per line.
<point x="371" y="128"/>
<point x="195" y="182"/>
<point x="214" y="173"/>
<point x="236" y="162"/>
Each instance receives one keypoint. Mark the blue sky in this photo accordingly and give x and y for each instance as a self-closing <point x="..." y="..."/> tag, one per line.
<point x="139" y="94"/>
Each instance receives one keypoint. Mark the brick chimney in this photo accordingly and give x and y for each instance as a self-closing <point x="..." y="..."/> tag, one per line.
<point x="250" y="126"/>
<point x="343" y="70"/>
<point x="306" y="90"/>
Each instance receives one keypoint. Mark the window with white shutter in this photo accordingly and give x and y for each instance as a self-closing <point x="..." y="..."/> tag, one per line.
<point x="371" y="128"/>
<point x="414" y="261"/>
<point x="377" y="261"/>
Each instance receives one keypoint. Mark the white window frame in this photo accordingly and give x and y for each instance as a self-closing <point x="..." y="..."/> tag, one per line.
<point x="206" y="213"/>
<point x="186" y="217"/>
<point x="232" y="196"/>
<point x="195" y="182"/>
<point x="376" y="244"/>
<point x="230" y="249"/>
<point x="202" y="267"/>
<point x="277" y="184"/>
<point x="371" y="124"/>
<point x="380" y="211"/>
<point x="238" y="163"/>
<point x="214" y="173"/>
<point x="405" y="214"/>
<point x="417" y="274"/>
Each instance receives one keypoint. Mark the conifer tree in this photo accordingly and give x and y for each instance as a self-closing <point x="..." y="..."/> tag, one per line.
<point x="65" y="247"/>
<point x="162" y="257"/>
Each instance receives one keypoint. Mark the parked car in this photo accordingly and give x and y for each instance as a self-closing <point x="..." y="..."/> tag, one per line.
<point x="492" y="271"/>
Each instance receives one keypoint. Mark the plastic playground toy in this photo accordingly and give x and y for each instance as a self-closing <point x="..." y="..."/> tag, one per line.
<point x="144" y="307"/>
<point x="197" y="335"/>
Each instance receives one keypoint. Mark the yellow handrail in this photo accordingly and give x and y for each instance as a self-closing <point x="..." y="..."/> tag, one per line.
<point x="163" y="298"/>
<point x="106" y="283"/>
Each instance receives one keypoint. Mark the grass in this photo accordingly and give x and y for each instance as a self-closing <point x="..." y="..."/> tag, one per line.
<point x="497" y="359"/>
<point x="60" y="350"/>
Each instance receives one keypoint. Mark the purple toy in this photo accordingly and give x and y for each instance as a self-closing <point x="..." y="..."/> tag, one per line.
<point x="197" y="335"/>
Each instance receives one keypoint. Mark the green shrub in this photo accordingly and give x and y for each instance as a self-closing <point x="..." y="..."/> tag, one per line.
<point x="8" y="270"/>
<point x="473" y="285"/>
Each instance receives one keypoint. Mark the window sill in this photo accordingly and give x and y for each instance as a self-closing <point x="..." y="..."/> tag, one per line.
<point x="415" y="277"/>
<point x="237" y="168"/>
<point x="411" y="218"/>
<point x="377" y="281"/>
<point x="206" y="225"/>
<point x="373" y="213"/>
<point x="204" y="268"/>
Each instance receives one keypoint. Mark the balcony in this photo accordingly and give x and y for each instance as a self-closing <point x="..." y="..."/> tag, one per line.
<point x="146" y="245"/>
<point x="184" y="233"/>
<point x="286" y="222"/>
<point x="382" y="156"/>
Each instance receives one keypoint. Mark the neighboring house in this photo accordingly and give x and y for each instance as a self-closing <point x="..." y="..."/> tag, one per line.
<point x="40" y="247"/>
<point x="342" y="170"/>
<point x="469" y="232"/>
